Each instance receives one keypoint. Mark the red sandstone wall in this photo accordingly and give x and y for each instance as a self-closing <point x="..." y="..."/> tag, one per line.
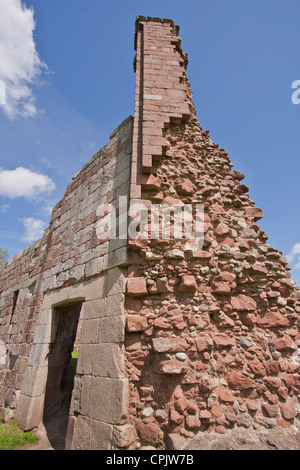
<point x="69" y="253"/>
<point x="210" y="333"/>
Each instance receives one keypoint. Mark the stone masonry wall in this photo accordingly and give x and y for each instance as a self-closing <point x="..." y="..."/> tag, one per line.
<point x="74" y="261"/>
<point x="211" y="333"/>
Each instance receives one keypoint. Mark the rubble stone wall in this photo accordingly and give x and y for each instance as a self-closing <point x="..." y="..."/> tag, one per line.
<point x="211" y="333"/>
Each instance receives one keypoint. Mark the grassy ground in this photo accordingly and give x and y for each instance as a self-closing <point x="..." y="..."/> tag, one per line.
<point x="73" y="364"/>
<point x="12" y="437"/>
<point x="74" y="360"/>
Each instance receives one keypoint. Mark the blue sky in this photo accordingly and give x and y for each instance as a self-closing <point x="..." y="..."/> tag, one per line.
<point x="70" y="82"/>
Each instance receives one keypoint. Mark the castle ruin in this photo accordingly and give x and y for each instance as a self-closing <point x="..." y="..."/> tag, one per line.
<point x="174" y="337"/>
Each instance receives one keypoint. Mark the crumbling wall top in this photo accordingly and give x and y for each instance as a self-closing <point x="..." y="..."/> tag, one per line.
<point x="149" y="19"/>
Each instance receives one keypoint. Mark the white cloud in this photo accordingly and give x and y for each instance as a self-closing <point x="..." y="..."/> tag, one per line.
<point x="20" y="65"/>
<point x="47" y="210"/>
<point x="294" y="251"/>
<point x="297" y="266"/>
<point x="34" y="229"/>
<point x="4" y="208"/>
<point x="22" y="182"/>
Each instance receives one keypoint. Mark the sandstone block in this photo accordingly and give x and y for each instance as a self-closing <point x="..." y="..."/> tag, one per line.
<point x="251" y="406"/>
<point x="226" y="276"/>
<point x="39" y="356"/>
<point x="136" y="286"/>
<point x="115" y="281"/>
<point x="204" y="343"/>
<point x="89" y="332"/>
<point x="94" y="289"/>
<point x="192" y="422"/>
<point x="149" y="433"/>
<point x="135" y="323"/>
<point x="221" y="229"/>
<point x="205" y="383"/>
<point x="175" y="254"/>
<point x="222" y="288"/>
<point x="272" y="382"/>
<point x="108" y="361"/>
<point x="34" y="381"/>
<point x="82" y="433"/>
<point x="114" y="305"/>
<point x="94" y="309"/>
<point x="188" y="284"/>
<point x="225" y="322"/>
<point x="172" y="367"/>
<point x="185" y="188"/>
<point x="181" y="404"/>
<point x="169" y="344"/>
<point x="108" y="399"/>
<point x="150" y="256"/>
<point x="101" y="436"/>
<point x="257" y="269"/>
<point x="192" y="407"/>
<point x="200" y="254"/>
<point x="257" y="368"/>
<point x="243" y="303"/>
<point x="254" y="212"/>
<point x="29" y="412"/>
<point x="240" y="381"/>
<point x="123" y="436"/>
<point x="175" y="441"/>
<point x="216" y="410"/>
<point x="222" y="340"/>
<point x="112" y="329"/>
<point x="162" y="285"/>
<point x="272" y="320"/>
<point x="70" y="432"/>
<point x="85" y="359"/>
<point x="238" y="175"/>
<point x="150" y="182"/>
<point x="224" y="394"/>
<point x="269" y="410"/>
<point x="175" y="417"/>
<point x="284" y="343"/>
<point x="248" y="318"/>
<point x="118" y="257"/>
<point x="288" y="409"/>
<point x="205" y="415"/>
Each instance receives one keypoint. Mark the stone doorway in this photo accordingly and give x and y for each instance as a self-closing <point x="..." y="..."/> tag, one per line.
<point x="61" y="372"/>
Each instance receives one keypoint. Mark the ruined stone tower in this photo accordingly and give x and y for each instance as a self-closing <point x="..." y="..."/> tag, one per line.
<point x="174" y="338"/>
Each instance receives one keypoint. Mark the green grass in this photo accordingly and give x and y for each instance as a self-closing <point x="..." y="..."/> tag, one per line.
<point x="12" y="437"/>
<point x="74" y="359"/>
<point x="73" y="364"/>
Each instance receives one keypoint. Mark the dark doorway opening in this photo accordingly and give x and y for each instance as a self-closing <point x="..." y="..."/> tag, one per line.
<point x="61" y="371"/>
